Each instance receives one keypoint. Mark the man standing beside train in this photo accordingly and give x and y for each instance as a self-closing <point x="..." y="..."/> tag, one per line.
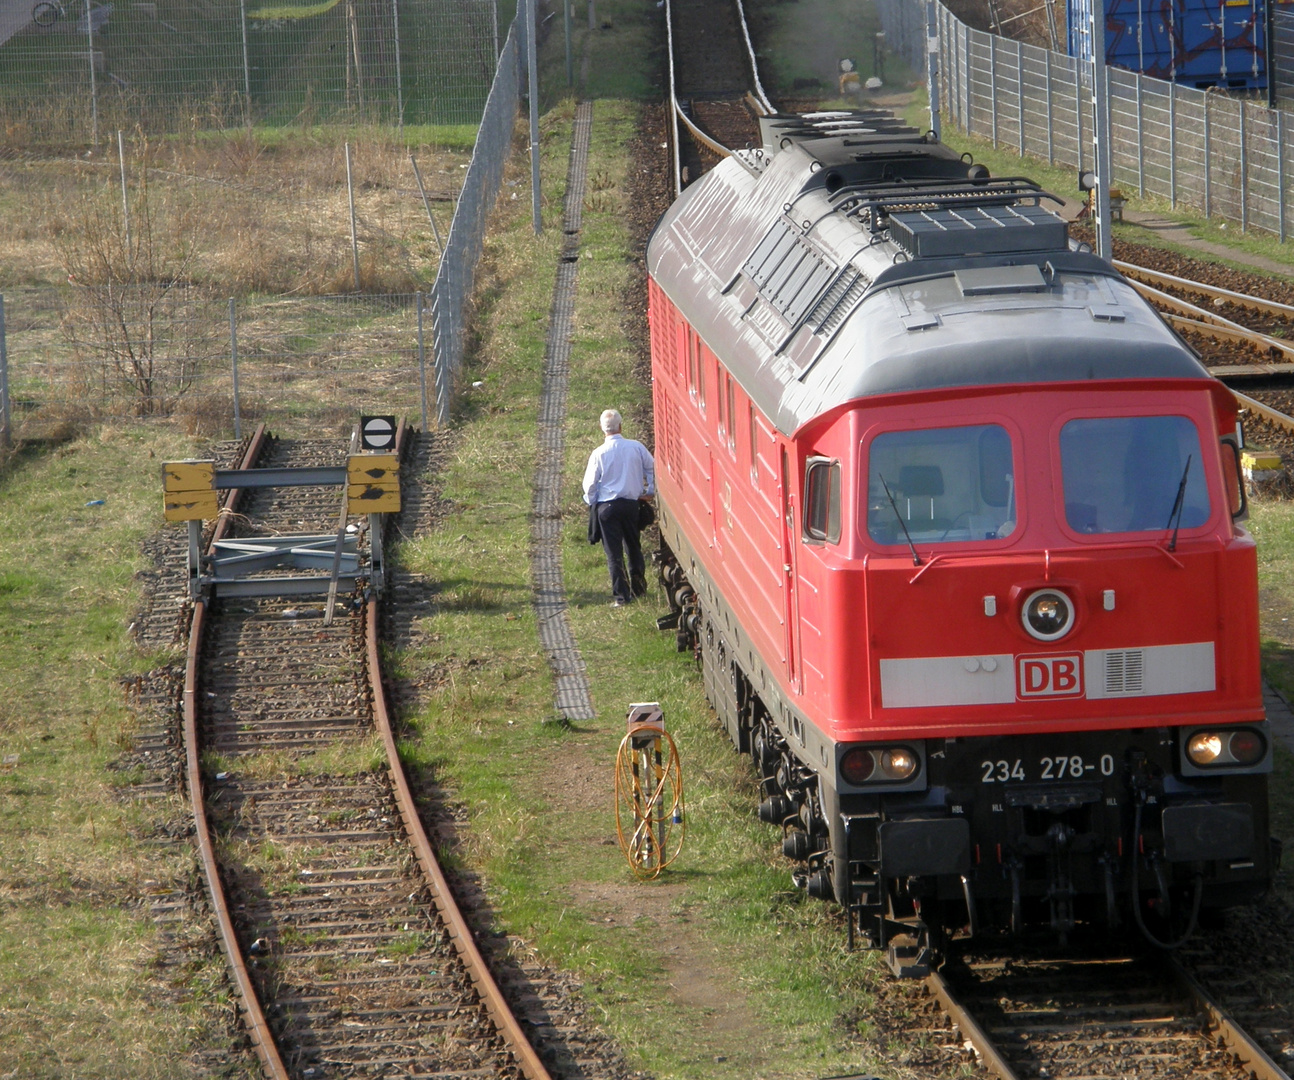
<point x="620" y="474"/>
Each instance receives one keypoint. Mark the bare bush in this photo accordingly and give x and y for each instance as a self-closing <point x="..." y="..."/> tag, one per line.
<point x="132" y="320"/>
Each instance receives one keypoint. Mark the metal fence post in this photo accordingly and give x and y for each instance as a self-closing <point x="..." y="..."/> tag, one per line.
<point x="94" y="86"/>
<point x="6" y="435"/>
<point x="350" y="195"/>
<point x="1078" y="111"/>
<point x="1244" y="173"/>
<point x="422" y="363"/>
<point x="992" y="82"/>
<point x="1141" y="142"/>
<point x="399" y="81"/>
<point x="566" y="29"/>
<point x="233" y="363"/>
<point x="1280" y="174"/>
<point x="969" y="81"/>
<point x="247" y="67"/>
<point x="932" y="67"/>
<point x="532" y="78"/>
<point x="443" y="379"/>
<point x="125" y="198"/>
<point x="1172" y="145"/>
<point x="1019" y="89"/>
<point x="1208" y="153"/>
<point x="1051" y="120"/>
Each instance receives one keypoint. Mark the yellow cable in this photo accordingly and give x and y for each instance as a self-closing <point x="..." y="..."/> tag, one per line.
<point x="644" y="782"/>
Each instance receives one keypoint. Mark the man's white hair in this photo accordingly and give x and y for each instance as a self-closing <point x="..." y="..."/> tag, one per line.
<point x="610" y="422"/>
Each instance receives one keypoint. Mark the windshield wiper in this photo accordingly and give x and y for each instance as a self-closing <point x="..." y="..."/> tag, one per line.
<point x="1175" y="518"/>
<point x="916" y="559"/>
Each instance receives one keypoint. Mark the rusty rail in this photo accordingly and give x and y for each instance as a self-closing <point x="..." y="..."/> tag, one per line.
<point x="1265" y="411"/>
<point x="1158" y="277"/>
<point x="969" y="1027"/>
<point x="257" y="1026"/>
<point x="459" y="932"/>
<point x="1223" y="1028"/>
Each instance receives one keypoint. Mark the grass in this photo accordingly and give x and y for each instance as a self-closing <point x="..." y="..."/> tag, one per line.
<point x="768" y="998"/>
<point x="624" y="52"/>
<point x="807" y="39"/>
<point x="80" y="992"/>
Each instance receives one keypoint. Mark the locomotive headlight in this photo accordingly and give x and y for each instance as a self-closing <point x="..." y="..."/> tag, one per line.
<point x="1220" y="748"/>
<point x="878" y="765"/>
<point x="898" y="763"/>
<point x="1205" y="747"/>
<point x="1048" y="614"/>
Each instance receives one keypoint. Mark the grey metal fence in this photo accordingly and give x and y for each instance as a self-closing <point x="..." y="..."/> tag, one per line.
<point x="78" y="69"/>
<point x="453" y="287"/>
<point x="1226" y="156"/>
<point x="1280" y="28"/>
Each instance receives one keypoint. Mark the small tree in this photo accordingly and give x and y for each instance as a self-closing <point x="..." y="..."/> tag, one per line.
<point x="132" y="314"/>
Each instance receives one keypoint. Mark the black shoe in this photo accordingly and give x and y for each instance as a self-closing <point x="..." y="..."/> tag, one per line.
<point x="639" y="585"/>
<point x="620" y="603"/>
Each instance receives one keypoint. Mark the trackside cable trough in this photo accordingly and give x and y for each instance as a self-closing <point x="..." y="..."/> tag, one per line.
<point x="573" y="700"/>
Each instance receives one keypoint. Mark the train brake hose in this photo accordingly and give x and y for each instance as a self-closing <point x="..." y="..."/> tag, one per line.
<point x="1136" y="896"/>
<point x="650" y="819"/>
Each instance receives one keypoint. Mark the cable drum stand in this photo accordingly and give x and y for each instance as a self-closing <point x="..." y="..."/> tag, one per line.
<point x="650" y="821"/>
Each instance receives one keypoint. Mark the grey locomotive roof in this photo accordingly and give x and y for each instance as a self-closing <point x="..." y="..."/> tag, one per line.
<point x="850" y="257"/>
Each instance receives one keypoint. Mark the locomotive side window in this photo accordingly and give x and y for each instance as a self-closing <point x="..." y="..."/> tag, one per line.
<point x="941" y="485"/>
<point x="1133" y="474"/>
<point x="822" y="500"/>
<point x="693" y="363"/>
<point x="754" y="444"/>
<point x="732" y="419"/>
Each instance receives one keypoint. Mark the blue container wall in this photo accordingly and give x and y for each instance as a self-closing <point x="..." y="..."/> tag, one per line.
<point x="1198" y="43"/>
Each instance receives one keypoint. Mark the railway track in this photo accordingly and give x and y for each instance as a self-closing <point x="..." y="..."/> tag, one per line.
<point x="342" y="935"/>
<point x="1246" y="339"/>
<point x="1077" y="1017"/>
<point x="714" y="87"/>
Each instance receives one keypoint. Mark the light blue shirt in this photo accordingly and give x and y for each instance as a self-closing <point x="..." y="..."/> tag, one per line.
<point x="619" y="469"/>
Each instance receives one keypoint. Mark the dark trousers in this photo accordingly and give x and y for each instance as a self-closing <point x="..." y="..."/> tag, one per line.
<point x="619" y="521"/>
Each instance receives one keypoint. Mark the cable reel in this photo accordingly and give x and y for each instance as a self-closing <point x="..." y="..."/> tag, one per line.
<point x="650" y="822"/>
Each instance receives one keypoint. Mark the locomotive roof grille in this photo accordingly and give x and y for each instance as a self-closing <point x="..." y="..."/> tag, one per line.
<point x="789" y="272"/>
<point x="978" y="230"/>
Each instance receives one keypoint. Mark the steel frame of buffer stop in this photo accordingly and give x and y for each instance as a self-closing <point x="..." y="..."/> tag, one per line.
<point x="372" y="486"/>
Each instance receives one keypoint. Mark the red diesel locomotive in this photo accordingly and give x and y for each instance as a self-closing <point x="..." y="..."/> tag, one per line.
<point x="954" y="519"/>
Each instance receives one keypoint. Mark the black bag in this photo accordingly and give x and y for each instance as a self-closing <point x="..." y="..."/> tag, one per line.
<point x="646" y="515"/>
<point x="595" y="526"/>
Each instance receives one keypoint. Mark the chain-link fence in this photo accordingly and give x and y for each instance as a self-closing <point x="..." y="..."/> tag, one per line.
<point x="453" y="288"/>
<point x="129" y="337"/>
<point x="311" y="364"/>
<point x="1226" y="156"/>
<point x="74" y="70"/>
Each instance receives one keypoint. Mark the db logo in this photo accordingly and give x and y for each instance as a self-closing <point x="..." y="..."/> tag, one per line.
<point x="1049" y="675"/>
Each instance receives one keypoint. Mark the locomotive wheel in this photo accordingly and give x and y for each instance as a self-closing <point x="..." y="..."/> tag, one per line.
<point x="649" y="800"/>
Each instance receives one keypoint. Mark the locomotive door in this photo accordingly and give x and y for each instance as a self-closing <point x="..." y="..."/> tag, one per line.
<point x="791" y="614"/>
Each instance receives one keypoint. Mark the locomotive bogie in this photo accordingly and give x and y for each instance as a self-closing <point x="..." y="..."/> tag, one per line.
<point x="954" y="521"/>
